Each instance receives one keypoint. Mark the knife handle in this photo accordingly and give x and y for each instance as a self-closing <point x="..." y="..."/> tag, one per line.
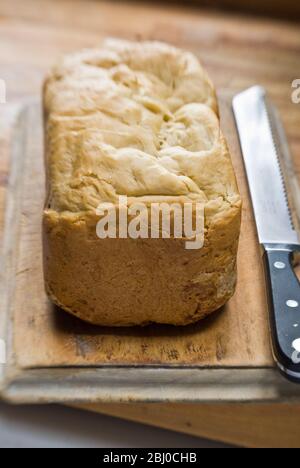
<point x="284" y="307"/>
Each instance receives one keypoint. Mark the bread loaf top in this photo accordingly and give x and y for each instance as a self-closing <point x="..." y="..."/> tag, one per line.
<point x="135" y="119"/>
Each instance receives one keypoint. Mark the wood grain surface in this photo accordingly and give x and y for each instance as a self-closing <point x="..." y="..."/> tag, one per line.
<point x="235" y="336"/>
<point x="237" y="51"/>
<point x="250" y="425"/>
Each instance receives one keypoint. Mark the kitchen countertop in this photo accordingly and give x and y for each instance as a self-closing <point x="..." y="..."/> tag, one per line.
<point x="60" y="427"/>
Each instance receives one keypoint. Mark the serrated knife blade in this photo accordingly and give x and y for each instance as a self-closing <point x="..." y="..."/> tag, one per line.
<point x="274" y="223"/>
<point x="266" y="184"/>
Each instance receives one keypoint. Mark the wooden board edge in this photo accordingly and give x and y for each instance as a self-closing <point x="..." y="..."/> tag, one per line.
<point x="11" y="231"/>
<point x="146" y="385"/>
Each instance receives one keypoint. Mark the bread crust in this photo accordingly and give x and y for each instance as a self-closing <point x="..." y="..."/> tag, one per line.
<point x="141" y="120"/>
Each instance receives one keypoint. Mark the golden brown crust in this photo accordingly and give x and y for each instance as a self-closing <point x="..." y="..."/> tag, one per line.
<point x="136" y="119"/>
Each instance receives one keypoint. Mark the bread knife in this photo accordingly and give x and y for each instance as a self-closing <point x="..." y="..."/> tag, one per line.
<point x="276" y="232"/>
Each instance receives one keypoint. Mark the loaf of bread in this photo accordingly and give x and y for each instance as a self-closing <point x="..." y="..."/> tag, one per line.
<point x="138" y="120"/>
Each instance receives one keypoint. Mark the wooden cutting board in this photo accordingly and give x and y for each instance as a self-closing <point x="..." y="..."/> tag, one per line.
<point x="236" y="336"/>
<point x="154" y="363"/>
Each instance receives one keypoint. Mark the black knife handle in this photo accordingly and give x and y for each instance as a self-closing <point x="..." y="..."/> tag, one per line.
<point x="284" y="307"/>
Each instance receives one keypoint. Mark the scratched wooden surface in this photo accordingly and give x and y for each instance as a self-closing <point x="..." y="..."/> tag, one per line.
<point x="236" y="336"/>
<point x="237" y="51"/>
